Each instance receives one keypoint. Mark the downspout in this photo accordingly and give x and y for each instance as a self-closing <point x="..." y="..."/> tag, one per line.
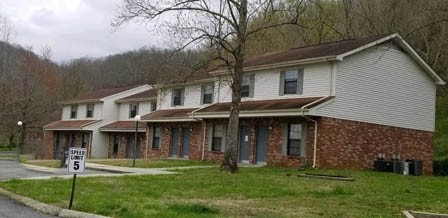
<point x="315" y="137"/>
<point x="204" y="124"/>
<point x="315" y="128"/>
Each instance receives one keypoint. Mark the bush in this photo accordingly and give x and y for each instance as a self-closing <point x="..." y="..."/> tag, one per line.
<point x="440" y="167"/>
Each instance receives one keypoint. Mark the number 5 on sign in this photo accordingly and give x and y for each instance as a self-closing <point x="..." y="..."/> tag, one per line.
<point x="76" y="160"/>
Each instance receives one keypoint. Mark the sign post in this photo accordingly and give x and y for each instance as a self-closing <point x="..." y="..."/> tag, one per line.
<point x="76" y="164"/>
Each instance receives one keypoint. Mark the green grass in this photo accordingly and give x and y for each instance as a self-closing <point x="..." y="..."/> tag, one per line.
<point x="441" y="134"/>
<point x="6" y="149"/>
<point x="151" y="163"/>
<point x="254" y="192"/>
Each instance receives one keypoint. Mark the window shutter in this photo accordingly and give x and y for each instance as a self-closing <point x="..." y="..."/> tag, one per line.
<point x="252" y="85"/>
<point x="213" y="93"/>
<point x="136" y="109"/>
<point x="210" y="136"/>
<point x="172" y="97"/>
<point x="224" y="136"/>
<point x="130" y="109"/>
<point x="182" y="98"/>
<point x="284" y="138"/>
<point x="202" y="94"/>
<point x="303" y="140"/>
<point x="300" y="81"/>
<point x="282" y="83"/>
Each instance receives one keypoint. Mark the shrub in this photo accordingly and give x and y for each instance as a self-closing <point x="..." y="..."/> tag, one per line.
<point x="440" y="167"/>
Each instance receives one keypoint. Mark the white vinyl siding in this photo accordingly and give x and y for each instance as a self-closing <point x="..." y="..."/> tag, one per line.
<point x="192" y="97"/>
<point x="143" y="108"/>
<point x="316" y="82"/>
<point x="385" y="86"/>
<point x="81" y="114"/>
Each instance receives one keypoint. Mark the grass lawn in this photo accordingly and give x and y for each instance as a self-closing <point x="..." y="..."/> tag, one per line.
<point x="254" y="192"/>
<point x="151" y="163"/>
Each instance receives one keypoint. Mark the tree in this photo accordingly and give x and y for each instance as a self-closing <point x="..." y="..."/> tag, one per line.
<point x="5" y="29"/>
<point x="222" y="25"/>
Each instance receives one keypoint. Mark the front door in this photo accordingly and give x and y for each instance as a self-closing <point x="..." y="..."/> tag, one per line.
<point x="174" y="141"/>
<point x="129" y="145"/>
<point x="261" y="145"/>
<point x="244" y="144"/>
<point x="85" y="140"/>
<point x="185" y="142"/>
<point x="137" y="150"/>
<point x="56" y="146"/>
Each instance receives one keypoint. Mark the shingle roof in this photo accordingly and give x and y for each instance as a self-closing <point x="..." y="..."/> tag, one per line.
<point x="101" y="93"/>
<point x="121" y="125"/>
<point x="172" y="113"/>
<point x="151" y="93"/>
<point x="69" y="124"/>
<point x="189" y="77"/>
<point x="312" y="51"/>
<point x="282" y="104"/>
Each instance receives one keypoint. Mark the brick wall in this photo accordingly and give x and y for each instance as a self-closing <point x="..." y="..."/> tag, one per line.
<point x="195" y="134"/>
<point x="341" y="144"/>
<point x="355" y="145"/>
<point x="47" y="146"/>
<point x="64" y="143"/>
<point x="125" y="143"/>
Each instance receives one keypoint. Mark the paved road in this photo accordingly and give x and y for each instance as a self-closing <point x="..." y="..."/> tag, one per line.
<point x="11" y="169"/>
<point x="12" y="209"/>
<point x="8" y="154"/>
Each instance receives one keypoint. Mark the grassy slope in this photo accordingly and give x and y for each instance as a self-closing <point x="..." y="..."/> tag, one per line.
<point x="254" y="192"/>
<point x="441" y="134"/>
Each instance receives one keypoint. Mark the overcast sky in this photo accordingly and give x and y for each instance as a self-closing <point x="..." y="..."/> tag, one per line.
<point x="73" y="28"/>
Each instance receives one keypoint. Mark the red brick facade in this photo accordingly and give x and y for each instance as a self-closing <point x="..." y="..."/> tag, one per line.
<point x="63" y="139"/>
<point x="341" y="144"/>
<point x="165" y="150"/>
<point x="348" y="144"/>
<point x="125" y="143"/>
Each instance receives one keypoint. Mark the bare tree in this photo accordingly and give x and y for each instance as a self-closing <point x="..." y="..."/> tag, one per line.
<point x="219" y="24"/>
<point x="5" y="29"/>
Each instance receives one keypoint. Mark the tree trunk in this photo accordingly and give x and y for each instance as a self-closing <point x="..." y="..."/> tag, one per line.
<point x="230" y="162"/>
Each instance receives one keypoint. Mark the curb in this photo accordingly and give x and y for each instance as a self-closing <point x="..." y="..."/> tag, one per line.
<point x="46" y="208"/>
<point x="39" y="169"/>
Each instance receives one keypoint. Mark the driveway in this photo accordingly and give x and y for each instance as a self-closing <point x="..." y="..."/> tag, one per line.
<point x="12" y="209"/>
<point x="10" y="169"/>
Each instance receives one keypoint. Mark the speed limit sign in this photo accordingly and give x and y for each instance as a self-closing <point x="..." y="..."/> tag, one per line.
<point x="76" y="160"/>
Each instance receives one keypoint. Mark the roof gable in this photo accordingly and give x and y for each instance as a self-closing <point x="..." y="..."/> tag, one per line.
<point x="97" y="95"/>
<point x="332" y="51"/>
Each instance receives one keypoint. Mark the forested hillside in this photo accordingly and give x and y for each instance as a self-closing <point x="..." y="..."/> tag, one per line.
<point x="30" y="85"/>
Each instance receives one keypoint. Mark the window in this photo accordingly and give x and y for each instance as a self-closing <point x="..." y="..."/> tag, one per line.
<point x="116" y="143"/>
<point x="218" y="136"/>
<point x="294" y="139"/>
<point x="89" y="110"/>
<point x="133" y="110"/>
<point x="207" y="94"/>
<point x="73" y="111"/>
<point x="291" y="82"/>
<point x="247" y="85"/>
<point x="178" y="97"/>
<point x="153" y="106"/>
<point x="156" y="137"/>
